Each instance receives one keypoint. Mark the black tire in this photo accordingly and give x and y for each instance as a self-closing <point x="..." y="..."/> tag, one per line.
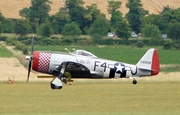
<point x="134" y="82"/>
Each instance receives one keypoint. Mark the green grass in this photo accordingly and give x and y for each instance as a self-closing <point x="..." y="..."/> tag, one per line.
<point x="87" y="98"/>
<point x="126" y="54"/>
<point x="4" y="52"/>
<point x="171" y="68"/>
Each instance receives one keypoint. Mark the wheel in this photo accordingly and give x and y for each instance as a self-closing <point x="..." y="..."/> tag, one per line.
<point x="134" y="82"/>
<point x="63" y="79"/>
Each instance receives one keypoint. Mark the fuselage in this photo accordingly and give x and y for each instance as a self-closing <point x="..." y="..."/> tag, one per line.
<point x="48" y="62"/>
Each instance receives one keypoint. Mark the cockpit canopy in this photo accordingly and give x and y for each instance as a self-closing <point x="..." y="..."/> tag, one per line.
<point x="84" y="53"/>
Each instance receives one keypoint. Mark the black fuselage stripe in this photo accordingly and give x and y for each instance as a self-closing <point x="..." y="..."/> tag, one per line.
<point x="112" y="73"/>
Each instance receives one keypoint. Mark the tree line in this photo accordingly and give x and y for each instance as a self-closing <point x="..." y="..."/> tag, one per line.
<point x="75" y="19"/>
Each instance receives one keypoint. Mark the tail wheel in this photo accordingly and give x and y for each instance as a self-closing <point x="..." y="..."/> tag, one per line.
<point x="134" y="82"/>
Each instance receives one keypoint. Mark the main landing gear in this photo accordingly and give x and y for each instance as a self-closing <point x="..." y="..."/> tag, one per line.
<point x="66" y="80"/>
<point x="134" y="81"/>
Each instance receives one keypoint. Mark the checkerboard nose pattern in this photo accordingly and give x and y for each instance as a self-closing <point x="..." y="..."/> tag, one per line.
<point x="41" y="61"/>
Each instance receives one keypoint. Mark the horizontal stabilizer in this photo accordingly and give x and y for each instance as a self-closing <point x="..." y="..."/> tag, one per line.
<point x="147" y="69"/>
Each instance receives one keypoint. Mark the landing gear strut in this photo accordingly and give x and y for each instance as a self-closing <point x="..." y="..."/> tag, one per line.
<point x="134" y="81"/>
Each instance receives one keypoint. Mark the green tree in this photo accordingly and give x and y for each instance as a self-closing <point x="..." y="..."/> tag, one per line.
<point x="1" y="17"/>
<point x="76" y="11"/>
<point x="58" y="21"/>
<point x="21" y="27"/>
<point x="151" y="31"/>
<point x="1" y="22"/>
<point x="173" y="31"/>
<point x="7" y="26"/>
<point x="90" y="15"/>
<point x="165" y="9"/>
<point x="71" y="29"/>
<point x="176" y="15"/>
<point x="166" y="17"/>
<point x="45" y="29"/>
<point x="100" y="27"/>
<point x="1" y="28"/>
<point x="164" y="21"/>
<point x="135" y="14"/>
<point x="113" y="6"/>
<point x="37" y="13"/>
<point x="115" y="19"/>
<point x="150" y="19"/>
<point x="25" y="12"/>
<point x="39" y="10"/>
<point x="116" y="15"/>
<point x="123" y="30"/>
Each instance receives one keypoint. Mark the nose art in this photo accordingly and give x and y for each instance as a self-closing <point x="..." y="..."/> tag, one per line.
<point x="41" y="61"/>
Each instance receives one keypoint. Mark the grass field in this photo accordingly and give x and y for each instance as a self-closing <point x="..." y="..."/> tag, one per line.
<point x="91" y="98"/>
<point x="96" y="97"/>
<point x="4" y="52"/>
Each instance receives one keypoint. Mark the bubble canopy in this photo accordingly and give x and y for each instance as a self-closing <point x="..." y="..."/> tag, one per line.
<point x="83" y="53"/>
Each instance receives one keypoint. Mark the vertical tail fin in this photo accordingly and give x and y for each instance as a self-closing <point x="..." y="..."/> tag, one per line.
<point x="150" y="61"/>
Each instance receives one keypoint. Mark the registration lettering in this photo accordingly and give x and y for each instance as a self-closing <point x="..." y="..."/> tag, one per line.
<point x="146" y="62"/>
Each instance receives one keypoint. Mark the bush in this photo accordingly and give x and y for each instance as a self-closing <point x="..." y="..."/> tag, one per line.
<point x="151" y="31"/>
<point x="10" y="41"/>
<point x="177" y="45"/>
<point x="27" y="42"/>
<point x="85" y="42"/>
<point x="45" y="29"/>
<point x="53" y="37"/>
<point x="3" y="38"/>
<point x="167" y="44"/>
<point x="47" y="41"/>
<point x="23" y="38"/>
<point x="19" y="45"/>
<point x="77" y="39"/>
<point x="25" y="51"/>
<point x="139" y="44"/>
<point x="155" y="41"/>
<point x="66" y="40"/>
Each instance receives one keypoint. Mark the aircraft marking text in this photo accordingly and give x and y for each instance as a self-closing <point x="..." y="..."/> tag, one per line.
<point x="146" y="62"/>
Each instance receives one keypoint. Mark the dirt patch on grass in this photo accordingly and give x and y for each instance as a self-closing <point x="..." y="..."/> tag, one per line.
<point x="14" y="67"/>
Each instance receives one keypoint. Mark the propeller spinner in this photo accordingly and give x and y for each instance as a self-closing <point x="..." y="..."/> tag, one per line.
<point x="30" y="58"/>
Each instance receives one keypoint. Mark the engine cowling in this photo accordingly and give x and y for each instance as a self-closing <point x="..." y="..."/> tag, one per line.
<point x="41" y="61"/>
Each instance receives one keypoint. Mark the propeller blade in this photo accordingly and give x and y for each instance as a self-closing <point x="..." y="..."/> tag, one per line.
<point x="29" y="70"/>
<point x="30" y="58"/>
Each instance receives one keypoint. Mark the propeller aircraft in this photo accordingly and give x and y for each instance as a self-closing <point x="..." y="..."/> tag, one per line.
<point x="83" y="64"/>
